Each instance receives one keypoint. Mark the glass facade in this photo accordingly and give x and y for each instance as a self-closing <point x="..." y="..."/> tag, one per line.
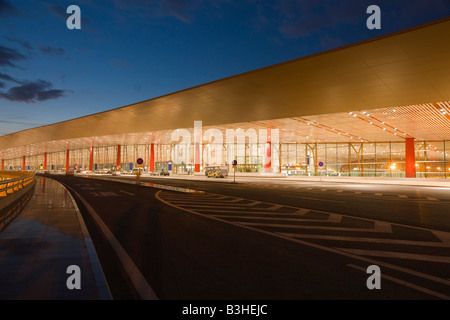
<point x="375" y="159"/>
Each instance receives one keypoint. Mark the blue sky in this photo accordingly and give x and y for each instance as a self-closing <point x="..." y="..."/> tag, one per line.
<point x="132" y="50"/>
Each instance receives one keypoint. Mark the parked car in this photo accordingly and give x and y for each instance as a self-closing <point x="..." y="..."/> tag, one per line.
<point x="216" y="171"/>
<point x="164" y="173"/>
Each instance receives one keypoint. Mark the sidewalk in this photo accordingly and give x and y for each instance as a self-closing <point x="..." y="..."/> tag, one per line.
<point x="36" y="249"/>
<point x="242" y="177"/>
<point x="247" y="177"/>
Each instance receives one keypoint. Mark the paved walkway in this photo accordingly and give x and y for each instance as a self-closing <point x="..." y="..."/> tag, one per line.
<point x="243" y="177"/>
<point x="37" y="248"/>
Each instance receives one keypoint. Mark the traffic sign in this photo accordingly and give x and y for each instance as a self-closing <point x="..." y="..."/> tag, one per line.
<point x="234" y="162"/>
<point x="140" y="161"/>
<point x="321" y="164"/>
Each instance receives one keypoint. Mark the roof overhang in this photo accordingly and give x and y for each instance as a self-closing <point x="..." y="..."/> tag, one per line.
<point x="402" y="69"/>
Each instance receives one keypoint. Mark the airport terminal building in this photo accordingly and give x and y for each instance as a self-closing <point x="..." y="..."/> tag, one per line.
<point x="379" y="108"/>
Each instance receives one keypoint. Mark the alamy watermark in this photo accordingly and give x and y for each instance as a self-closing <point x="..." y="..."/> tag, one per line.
<point x="74" y="280"/>
<point x="374" y="21"/>
<point x="374" y="281"/>
<point x="216" y="142"/>
<point x="74" y="20"/>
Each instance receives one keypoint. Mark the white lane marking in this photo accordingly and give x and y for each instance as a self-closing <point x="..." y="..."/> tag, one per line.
<point x="236" y="200"/>
<point x="264" y="218"/>
<point x="314" y="245"/>
<point x="229" y="207"/>
<point x="382" y="226"/>
<point x="296" y="214"/>
<point x="141" y="285"/>
<point x="131" y="194"/>
<point x="275" y="207"/>
<point x="211" y="202"/>
<point x="378" y="194"/>
<point x="295" y="226"/>
<point x="432" y="199"/>
<point x="334" y="218"/>
<point x="405" y="284"/>
<point x="363" y="239"/>
<point x="397" y="255"/>
<point x="443" y="236"/>
<point x="403" y="196"/>
<point x="316" y="199"/>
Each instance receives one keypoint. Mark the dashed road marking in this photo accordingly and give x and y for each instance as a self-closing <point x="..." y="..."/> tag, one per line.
<point x="130" y="194"/>
<point x="316" y="199"/>
<point x="405" y="283"/>
<point x="345" y="235"/>
<point x="397" y="255"/>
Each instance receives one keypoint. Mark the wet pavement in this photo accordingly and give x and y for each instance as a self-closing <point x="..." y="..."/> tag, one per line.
<point x="41" y="243"/>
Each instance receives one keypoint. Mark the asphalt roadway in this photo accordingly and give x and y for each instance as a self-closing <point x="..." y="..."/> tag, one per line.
<point x="269" y="239"/>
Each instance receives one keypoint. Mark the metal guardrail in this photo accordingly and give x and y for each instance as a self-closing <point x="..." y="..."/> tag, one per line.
<point x="12" y="185"/>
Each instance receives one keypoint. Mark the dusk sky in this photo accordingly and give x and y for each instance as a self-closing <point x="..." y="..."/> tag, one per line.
<point x="133" y="50"/>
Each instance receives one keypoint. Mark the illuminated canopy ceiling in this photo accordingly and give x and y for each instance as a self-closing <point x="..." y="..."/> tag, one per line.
<point x="384" y="89"/>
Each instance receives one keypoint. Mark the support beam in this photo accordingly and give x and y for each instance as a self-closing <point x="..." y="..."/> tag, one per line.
<point x="119" y="158"/>
<point x="198" y="134"/>
<point x="67" y="160"/>
<point x="3" y="165"/>
<point x="45" y="161"/>
<point x="197" y="157"/>
<point x="268" y="160"/>
<point x="152" y="157"/>
<point x="410" y="158"/>
<point x="23" y="163"/>
<point x="91" y="156"/>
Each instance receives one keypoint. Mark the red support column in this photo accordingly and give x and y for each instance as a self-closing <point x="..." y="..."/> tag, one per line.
<point x="91" y="157"/>
<point x="152" y="157"/>
<point x="45" y="161"/>
<point x="119" y="158"/>
<point x="410" y="157"/>
<point x="197" y="157"/>
<point x="23" y="163"/>
<point x="268" y="162"/>
<point x="3" y="165"/>
<point x="67" y="160"/>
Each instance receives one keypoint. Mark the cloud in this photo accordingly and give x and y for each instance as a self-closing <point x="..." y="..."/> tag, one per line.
<point x="302" y="18"/>
<point x="34" y="91"/>
<point x="51" y="50"/>
<point x="119" y="64"/>
<point x="8" y="55"/>
<point x="6" y="8"/>
<point x="23" y="43"/>
<point x="58" y="11"/>
<point x="180" y="9"/>
<point x="2" y="85"/>
<point x="6" y="77"/>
